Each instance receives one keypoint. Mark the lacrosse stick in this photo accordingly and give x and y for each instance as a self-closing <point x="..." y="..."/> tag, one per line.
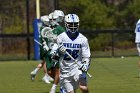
<point x="47" y="32"/>
<point x="77" y="63"/>
<point x="68" y="55"/>
<point x="37" y="42"/>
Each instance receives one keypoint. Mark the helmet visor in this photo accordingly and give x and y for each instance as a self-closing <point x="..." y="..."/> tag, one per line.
<point x="73" y="26"/>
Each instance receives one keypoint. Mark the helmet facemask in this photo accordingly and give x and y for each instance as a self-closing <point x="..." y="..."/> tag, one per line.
<point x="72" y="22"/>
<point x="53" y="22"/>
<point x="72" y="27"/>
<point x="53" y="19"/>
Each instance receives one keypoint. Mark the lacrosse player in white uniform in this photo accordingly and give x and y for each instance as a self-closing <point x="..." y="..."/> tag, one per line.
<point x="73" y="72"/>
<point x="137" y="40"/>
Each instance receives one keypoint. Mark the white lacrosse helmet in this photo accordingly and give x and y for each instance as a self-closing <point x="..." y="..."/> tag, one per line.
<point x="72" y="22"/>
<point x="60" y="15"/>
<point x="53" y="19"/>
<point x="45" y="19"/>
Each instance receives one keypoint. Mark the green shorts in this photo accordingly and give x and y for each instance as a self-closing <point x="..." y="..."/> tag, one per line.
<point x="49" y="62"/>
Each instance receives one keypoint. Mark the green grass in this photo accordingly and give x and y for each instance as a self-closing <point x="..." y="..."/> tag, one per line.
<point x="110" y="75"/>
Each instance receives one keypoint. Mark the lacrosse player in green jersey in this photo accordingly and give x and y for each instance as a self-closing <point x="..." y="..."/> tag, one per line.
<point x="51" y="36"/>
<point x="47" y="79"/>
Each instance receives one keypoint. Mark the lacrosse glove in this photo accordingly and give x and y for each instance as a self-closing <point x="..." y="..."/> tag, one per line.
<point x="84" y="67"/>
<point x="54" y="55"/>
<point x="54" y="52"/>
<point x="62" y="49"/>
<point x="85" y="64"/>
<point x="45" y="47"/>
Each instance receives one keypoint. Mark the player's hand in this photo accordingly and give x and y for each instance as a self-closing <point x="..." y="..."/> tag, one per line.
<point x="54" y="55"/>
<point x="45" y="47"/>
<point x="84" y="67"/>
<point x="62" y="49"/>
<point x="55" y="58"/>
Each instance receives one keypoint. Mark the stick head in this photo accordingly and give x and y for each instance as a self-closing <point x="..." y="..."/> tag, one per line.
<point x="47" y="32"/>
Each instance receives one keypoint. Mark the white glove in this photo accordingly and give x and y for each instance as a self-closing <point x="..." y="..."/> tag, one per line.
<point x="85" y="64"/>
<point x="45" y="47"/>
<point x="84" y="67"/>
<point x="62" y="49"/>
<point x="55" y="57"/>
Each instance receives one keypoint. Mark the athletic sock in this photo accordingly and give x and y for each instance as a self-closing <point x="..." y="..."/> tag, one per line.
<point x="36" y="70"/>
<point x="45" y="76"/>
<point x="53" y="86"/>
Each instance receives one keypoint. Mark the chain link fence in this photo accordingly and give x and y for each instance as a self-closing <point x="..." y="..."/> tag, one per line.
<point x="16" y="30"/>
<point x="103" y="43"/>
<point x="112" y="43"/>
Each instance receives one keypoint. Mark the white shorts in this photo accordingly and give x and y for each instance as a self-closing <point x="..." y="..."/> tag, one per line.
<point x="71" y="83"/>
<point x="138" y="48"/>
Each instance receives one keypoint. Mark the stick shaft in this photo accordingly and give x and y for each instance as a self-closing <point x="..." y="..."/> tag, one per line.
<point x="37" y="42"/>
<point x="77" y="63"/>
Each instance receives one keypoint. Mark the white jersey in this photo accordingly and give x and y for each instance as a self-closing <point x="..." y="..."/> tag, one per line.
<point x="137" y="31"/>
<point x="77" y="48"/>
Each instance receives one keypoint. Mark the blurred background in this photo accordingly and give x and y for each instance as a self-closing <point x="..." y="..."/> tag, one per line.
<point x="108" y="24"/>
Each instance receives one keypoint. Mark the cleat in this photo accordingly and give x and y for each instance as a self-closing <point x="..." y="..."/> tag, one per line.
<point x="33" y="74"/>
<point x="50" y="78"/>
<point x="46" y="80"/>
<point x="32" y="77"/>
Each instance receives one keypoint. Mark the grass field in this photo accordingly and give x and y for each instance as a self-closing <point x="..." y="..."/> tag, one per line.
<point x="110" y="75"/>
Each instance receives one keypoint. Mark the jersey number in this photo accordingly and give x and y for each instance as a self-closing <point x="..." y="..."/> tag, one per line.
<point x="73" y="53"/>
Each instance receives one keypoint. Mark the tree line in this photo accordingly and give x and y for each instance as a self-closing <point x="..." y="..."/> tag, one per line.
<point x="94" y="14"/>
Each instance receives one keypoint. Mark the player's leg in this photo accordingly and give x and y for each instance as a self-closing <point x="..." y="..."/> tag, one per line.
<point x="84" y="89"/>
<point x="34" y="72"/>
<point x="48" y="77"/>
<point x="45" y="70"/>
<point x="39" y="66"/>
<point x="56" y="79"/>
<point x="83" y="83"/>
<point x="138" y="48"/>
<point x="71" y="86"/>
<point x="67" y="85"/>
<point x="70" y="83"/>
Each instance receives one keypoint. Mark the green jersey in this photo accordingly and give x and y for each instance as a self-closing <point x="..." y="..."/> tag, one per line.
<point x="58" y="30"/>
<point x="42" y="52"/>
<point x="46" y="55"/>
